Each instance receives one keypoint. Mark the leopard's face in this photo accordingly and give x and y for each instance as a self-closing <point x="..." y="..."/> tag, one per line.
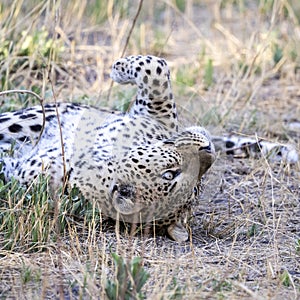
<point x="156" y="181"/>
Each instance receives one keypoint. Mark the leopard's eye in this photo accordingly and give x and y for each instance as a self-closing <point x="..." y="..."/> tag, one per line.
<point x="170" y="174"/>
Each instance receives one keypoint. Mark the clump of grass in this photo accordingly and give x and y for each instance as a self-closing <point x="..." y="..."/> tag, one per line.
<point x="221" y="285"/>
<point x="186" y="75"/>
<point x="28" y="274"/>
<point x="208" y="73"/>
<point x="130" y="277"/>
<point x="29" y="208"/>
<point x="33" y="209"/>
<point x="285" y="278"/>
<point x="177" y="291"/>
<point x="40" y="43"/>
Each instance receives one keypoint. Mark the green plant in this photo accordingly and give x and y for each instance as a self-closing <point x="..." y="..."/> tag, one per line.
<point x="208" y="73"/>
<point x="28" y="274"/>
<point x="129" y="279"/>
<point x="40" y="42"/>
<point x="176" y="290"/>
<point x="277" y="53"/>
<point x="285" y="278"/>
<point x="187" y="75"/>
<point x="252" y="231"/>
<point x="180" y="5"/>
<point x="19" y="100"/>
<point x="30" y="209"/>
<point x="100" y="10"/>
<point x="74" y="206"/>
<point x="123" y="99"/>
<point x="221" y="285"/>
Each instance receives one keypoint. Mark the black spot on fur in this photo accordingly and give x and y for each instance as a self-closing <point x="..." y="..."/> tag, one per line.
<point x="50" y="117"/>
<point x="145" y="79"/>
<point x="28" y="116"/>
<point x="14" y="128"/>
<point x="158" y="70"/>
<point x="156" y="82"/>
<point x="148" y="72"/>
<point x="36" y="128"/>
<point x="229" y="144"/>
<point x="4" y="120"/>
<point x="161" y="62"/>
<point x="17" y="113"/>
<point x="24" y="139"/>
<point x="1" y="136"/>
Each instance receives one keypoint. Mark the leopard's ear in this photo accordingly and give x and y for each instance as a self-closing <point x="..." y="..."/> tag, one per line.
<point x="195" y="140"/>
<point x="124" y="199"/>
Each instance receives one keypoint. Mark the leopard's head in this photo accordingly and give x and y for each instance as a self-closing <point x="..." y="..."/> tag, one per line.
<point x="156" y="181"/>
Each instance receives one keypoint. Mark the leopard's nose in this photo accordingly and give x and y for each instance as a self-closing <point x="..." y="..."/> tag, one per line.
<point x="208" y="148"/>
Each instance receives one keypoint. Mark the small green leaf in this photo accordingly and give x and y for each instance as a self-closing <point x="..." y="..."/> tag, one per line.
<point x="208" y="73"/>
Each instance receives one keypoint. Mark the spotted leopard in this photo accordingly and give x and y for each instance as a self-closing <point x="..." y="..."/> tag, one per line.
<point x="138" y="166"/>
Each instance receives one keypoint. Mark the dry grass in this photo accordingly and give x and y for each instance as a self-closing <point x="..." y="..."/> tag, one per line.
<point x="236" y="66"/>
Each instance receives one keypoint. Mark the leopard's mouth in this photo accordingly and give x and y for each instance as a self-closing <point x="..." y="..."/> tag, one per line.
<point x="124" y="199"/>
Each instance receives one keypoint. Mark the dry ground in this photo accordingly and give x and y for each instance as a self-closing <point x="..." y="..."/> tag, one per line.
<point x="235" y="68"/>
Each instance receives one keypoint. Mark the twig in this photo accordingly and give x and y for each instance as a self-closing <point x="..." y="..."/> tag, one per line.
<point x="132" y="26"/>
<point x="167" y="39"/>
<point x="127" y="41"/>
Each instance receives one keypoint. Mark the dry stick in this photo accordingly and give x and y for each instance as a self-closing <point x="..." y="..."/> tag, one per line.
<point x="167" y="39"/>
<point x="56" y="212"/>
<point x="127" y="41"/>
<point x="35" y="95"/>
<point x="132" y="26"/>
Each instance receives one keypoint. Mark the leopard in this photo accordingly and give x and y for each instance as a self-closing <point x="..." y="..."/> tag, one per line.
<point x="138" y="166"/>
